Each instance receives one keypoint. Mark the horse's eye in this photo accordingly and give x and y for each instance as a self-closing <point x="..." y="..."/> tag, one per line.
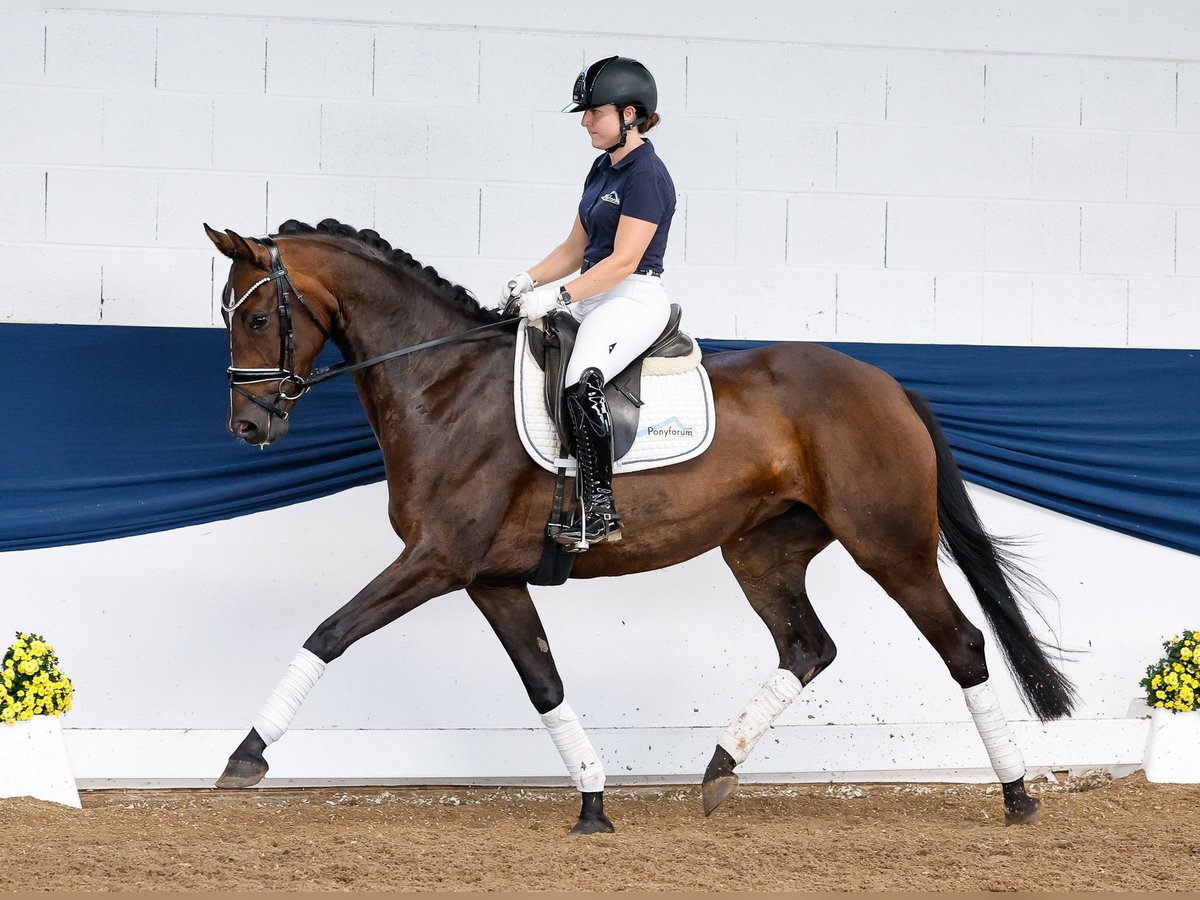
<point x="258" y="322"/>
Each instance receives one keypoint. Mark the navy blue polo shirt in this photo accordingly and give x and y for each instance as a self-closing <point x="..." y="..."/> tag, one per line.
<point x="639" y="186"/>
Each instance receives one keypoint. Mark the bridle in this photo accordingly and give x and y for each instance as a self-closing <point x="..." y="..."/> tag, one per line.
<point x="292" y="385"/>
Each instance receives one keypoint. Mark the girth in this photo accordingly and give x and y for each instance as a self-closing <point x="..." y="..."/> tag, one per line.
<point x="551" y="341"/>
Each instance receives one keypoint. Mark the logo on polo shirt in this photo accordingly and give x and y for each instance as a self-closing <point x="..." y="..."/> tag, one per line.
<point x="612" y="197"/>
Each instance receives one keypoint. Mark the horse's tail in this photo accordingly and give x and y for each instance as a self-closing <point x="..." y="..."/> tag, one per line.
<point x="994" y="572"/>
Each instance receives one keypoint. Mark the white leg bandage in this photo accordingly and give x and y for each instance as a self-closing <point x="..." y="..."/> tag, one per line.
<point x="276" y="715"/>
<point x="776" y="695"/>
<point x="576" y="750"/>
<point x="1002" y="750"/>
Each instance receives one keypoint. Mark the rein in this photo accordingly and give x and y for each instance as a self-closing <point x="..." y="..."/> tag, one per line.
<point x="285" y="372"/>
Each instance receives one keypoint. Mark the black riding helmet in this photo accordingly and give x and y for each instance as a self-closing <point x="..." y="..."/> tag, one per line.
<point x="618" y="80"/>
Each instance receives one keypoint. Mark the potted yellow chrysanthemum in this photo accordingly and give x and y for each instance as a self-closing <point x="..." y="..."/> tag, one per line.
<point x="1173" y="692"/>
<point x="34" y="692"/>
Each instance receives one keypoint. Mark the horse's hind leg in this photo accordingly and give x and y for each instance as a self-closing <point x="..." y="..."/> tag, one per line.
<point x="770" y="563"/>
<point x="512" y="615"/>
<point x="917" y="586"/>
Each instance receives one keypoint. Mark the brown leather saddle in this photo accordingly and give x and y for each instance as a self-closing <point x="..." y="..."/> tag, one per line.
<point x="551" y="341"/>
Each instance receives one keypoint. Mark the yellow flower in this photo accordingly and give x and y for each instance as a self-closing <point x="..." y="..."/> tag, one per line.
<point x="1185" y="653"/>
<point x="1161" y="695"/>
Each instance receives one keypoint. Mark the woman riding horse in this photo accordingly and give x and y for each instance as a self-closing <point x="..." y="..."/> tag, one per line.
<point x="616" y="245"/>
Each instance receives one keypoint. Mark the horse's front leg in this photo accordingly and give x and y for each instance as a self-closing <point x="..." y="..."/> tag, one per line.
<point x="512" y="615"/>
<point x="403" y="586"/>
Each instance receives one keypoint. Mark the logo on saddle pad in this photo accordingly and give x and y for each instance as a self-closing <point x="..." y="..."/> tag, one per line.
<point x="668" y="428"/>
<point x="612" y="197"/>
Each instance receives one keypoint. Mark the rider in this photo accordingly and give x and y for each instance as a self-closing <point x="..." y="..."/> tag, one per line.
<point x="617" y="245"/>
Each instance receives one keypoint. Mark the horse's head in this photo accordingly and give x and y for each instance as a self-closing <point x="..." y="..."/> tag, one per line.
<point x="275" y="333"/>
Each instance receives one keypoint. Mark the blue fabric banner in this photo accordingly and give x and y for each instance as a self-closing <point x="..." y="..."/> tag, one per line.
<point x="112" y="431"/>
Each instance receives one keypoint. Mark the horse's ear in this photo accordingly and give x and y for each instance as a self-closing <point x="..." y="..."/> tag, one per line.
<point x="221" y="241"/>
<point x="235" y="246"/>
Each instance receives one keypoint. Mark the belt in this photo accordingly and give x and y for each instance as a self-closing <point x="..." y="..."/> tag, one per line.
<point x="587" y="264"/>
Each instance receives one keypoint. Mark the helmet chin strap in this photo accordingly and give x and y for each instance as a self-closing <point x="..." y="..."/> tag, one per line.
<point x="625" y="128"/>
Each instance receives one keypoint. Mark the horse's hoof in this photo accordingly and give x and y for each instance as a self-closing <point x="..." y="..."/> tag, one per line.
<point x="242" y="773"/>
<point x="1025" y="814"/>
<point x="717" y="791"/>
<point x="595" y="825"/>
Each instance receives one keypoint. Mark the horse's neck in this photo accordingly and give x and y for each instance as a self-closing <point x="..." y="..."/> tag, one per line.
<point x="382" y="311"/>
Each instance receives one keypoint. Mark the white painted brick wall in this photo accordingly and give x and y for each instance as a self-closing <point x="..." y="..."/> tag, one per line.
<point x="837" y="84"/>
<point x="524" y="222"/>
<point x="787" y="156"/>
<point x="1015" y="183"/>
<point x="433" y="218"/>
<point x="1031" y="237"/>
<point x="1164" y="169"/>
<point x="1164" y="312"/>
<point x="1129" y="95"/>
<point x="22" y="203"/>
<point x="50" y="284"/>
<point x="373" y="139"/>
<point x="1187" y="116"/>
<point x="186" y="200"/>
<point x="718" y="73"/>
<point x="427" y="66"/>
<point x="885" y="306"/>
<point x="770" y="304"/>
<point x="1033" y="91"/>
<point x="205" y="55"/>
<point x="307" y="59"/>
<point x="760" y="234"/>
<point x="844" y="233"/>
<point x="268" y="134"/>
<point x="1080" y="311"/>
<point x="22" y="45"/>
<point x="526" y="71"/>
<point x="181" y="136"/>
<point x="710" y="223"/>
<point x="101" y="206"/>
<point x="935" y="235"/>
<point x="1187" y="242"/>
<point x="1128" y="240"/>
<point x="313" y="198"/>
<point x="1007" y="308"/>
<point x="50" y="126"/>
<point x="1075" y="165"/>
<point x="168" y="287"/>
<point x="935" y="88"/>
<point x="934" y="161"/>
<point x="958" y="308"/>
<point x="94" y="50"/>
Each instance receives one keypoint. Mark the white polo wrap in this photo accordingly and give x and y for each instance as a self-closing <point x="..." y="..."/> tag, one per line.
<point x="776" y="695"/>
<point x="277" y="713"/>
<point x="576" y="750"/>
<point x="1002" y="750"/>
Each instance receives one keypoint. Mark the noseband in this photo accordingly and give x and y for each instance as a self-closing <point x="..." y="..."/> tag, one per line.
<point x="292" y="385"/>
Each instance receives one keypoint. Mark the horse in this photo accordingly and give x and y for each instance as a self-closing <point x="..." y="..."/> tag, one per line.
<point x="811" y="447"/>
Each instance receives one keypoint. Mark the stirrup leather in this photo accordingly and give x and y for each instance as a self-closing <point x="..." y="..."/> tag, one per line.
<point x="596" y="519"/>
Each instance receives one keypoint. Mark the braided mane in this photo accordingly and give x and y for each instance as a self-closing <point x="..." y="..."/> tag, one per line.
<point x="456" y="294"/>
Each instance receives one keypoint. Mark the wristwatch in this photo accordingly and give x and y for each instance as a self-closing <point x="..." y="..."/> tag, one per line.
<point x="564" y="297"/>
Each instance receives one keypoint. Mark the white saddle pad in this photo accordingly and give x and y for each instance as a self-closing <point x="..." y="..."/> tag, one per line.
<point x="677" y="421"/>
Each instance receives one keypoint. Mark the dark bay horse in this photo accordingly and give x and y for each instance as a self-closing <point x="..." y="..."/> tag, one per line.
<point x="811" y="446"/>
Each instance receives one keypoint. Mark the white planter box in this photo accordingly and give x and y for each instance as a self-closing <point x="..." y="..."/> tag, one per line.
<point x="34" y="762"/>
<point x="1173" y="747"/>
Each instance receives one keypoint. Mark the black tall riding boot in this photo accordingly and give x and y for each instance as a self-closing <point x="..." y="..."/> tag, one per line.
<point x="595" y="518"/>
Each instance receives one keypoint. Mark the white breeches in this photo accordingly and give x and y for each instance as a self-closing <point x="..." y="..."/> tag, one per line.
<point x="617" y="325"/>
